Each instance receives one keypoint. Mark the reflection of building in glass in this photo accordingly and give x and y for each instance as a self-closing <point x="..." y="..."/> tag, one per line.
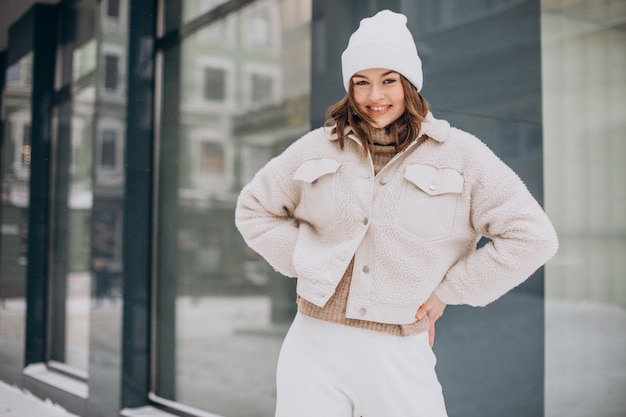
<point x="16" y="161"/>
<point x="89" y="141"/>
<point x="109" y="143"/>
<point x="237" y="112"/>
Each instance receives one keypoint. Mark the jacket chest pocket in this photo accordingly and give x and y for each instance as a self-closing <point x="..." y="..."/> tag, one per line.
<point x="318" y="199"/>
<point x="428" y="201"/>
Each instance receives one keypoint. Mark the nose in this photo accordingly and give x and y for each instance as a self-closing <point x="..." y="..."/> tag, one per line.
<point x="376" y="93"/>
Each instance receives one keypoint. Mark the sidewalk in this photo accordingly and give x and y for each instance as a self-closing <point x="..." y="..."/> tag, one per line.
<point x="15" y="402"/>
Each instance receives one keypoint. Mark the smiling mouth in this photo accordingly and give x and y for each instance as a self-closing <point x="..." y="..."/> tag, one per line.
<point x="378" y="109"/>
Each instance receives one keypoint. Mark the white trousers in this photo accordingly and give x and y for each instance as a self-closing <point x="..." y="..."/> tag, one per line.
<point x="331" y="370"/>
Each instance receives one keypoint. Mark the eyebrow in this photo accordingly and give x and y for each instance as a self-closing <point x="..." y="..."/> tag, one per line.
<point x="382" y="75"/>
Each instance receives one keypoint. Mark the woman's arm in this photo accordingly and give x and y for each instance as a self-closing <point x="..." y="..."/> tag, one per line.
<point x="264" y="214"/>
<point x="522" y="237"/>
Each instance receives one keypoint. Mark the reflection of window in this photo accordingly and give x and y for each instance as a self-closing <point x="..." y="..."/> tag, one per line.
<point x="113" y="9"/>
<point x="14" y="74"/>
<point x="111" y="61"/>
<point x="113" y="16"/>
<point x="109" y="155"/>
<point x="211" y="159"/>
<point x="19" y="73"/>
<point x="111" y="72"/>
<point x="259" y="28"/>
<point x="108" y="149"/>
<point x="262" y="26"/>
<point x="214" y="84"/>
<point x="262" y="86"/>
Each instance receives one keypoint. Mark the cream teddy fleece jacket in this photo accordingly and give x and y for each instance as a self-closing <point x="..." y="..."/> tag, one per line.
<point x="412" y="228"/>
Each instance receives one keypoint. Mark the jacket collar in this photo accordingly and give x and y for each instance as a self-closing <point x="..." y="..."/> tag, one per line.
<point x="436" y="129"/>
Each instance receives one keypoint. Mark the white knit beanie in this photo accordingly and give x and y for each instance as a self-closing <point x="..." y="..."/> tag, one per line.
<point x="382" y="41"/>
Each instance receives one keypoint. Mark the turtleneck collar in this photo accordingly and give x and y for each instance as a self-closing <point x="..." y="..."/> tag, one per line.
<point x="379" y="136"/>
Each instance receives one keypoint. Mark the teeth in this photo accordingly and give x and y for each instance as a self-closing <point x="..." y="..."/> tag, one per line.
<point x="378" y="108"/>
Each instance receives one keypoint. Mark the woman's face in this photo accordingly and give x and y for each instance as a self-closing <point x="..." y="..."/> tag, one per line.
<point x="378" y="92"/>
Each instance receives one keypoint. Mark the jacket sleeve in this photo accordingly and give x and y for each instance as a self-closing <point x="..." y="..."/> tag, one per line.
<point x="264" y="213"/>
<point x="522" y="237"/>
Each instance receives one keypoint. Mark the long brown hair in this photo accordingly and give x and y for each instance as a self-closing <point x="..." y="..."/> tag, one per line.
<point x="404" y="130"/>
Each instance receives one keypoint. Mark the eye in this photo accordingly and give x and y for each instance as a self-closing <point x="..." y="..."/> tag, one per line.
<point x="390" y="81"/>
<point x="360" y="82"/>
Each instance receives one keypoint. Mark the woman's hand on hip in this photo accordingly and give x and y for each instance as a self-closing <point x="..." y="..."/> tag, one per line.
<point x="433" y="308"/>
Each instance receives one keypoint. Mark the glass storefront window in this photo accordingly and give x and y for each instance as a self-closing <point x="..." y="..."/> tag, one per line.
<point x="584" y="102"/>
<point x="241" y="97"/>
<point x="88" y="175"/>
<point x="16" y="156"/>
<point x="72" y="211"/>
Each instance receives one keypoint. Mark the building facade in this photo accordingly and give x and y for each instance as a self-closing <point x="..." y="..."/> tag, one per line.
<point x="128" y="128"/>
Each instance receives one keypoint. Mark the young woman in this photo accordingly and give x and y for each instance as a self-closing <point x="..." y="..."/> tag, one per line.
<point x="377" y="215"/>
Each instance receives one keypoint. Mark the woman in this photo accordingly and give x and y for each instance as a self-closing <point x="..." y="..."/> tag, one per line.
<point x="377" y="215"/>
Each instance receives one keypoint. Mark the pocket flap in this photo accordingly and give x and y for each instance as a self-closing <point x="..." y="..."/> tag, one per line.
<point x="313" y="169"/>
<point x="434" y="181"/>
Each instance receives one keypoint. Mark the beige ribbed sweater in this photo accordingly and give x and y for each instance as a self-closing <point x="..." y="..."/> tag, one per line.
<point x="382" y="149"/>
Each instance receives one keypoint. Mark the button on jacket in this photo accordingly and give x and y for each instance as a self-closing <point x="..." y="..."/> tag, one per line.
<point x="412" y="228"/>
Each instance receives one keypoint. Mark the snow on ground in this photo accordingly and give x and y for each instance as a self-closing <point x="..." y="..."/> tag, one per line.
<point x="15" y="402"/>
